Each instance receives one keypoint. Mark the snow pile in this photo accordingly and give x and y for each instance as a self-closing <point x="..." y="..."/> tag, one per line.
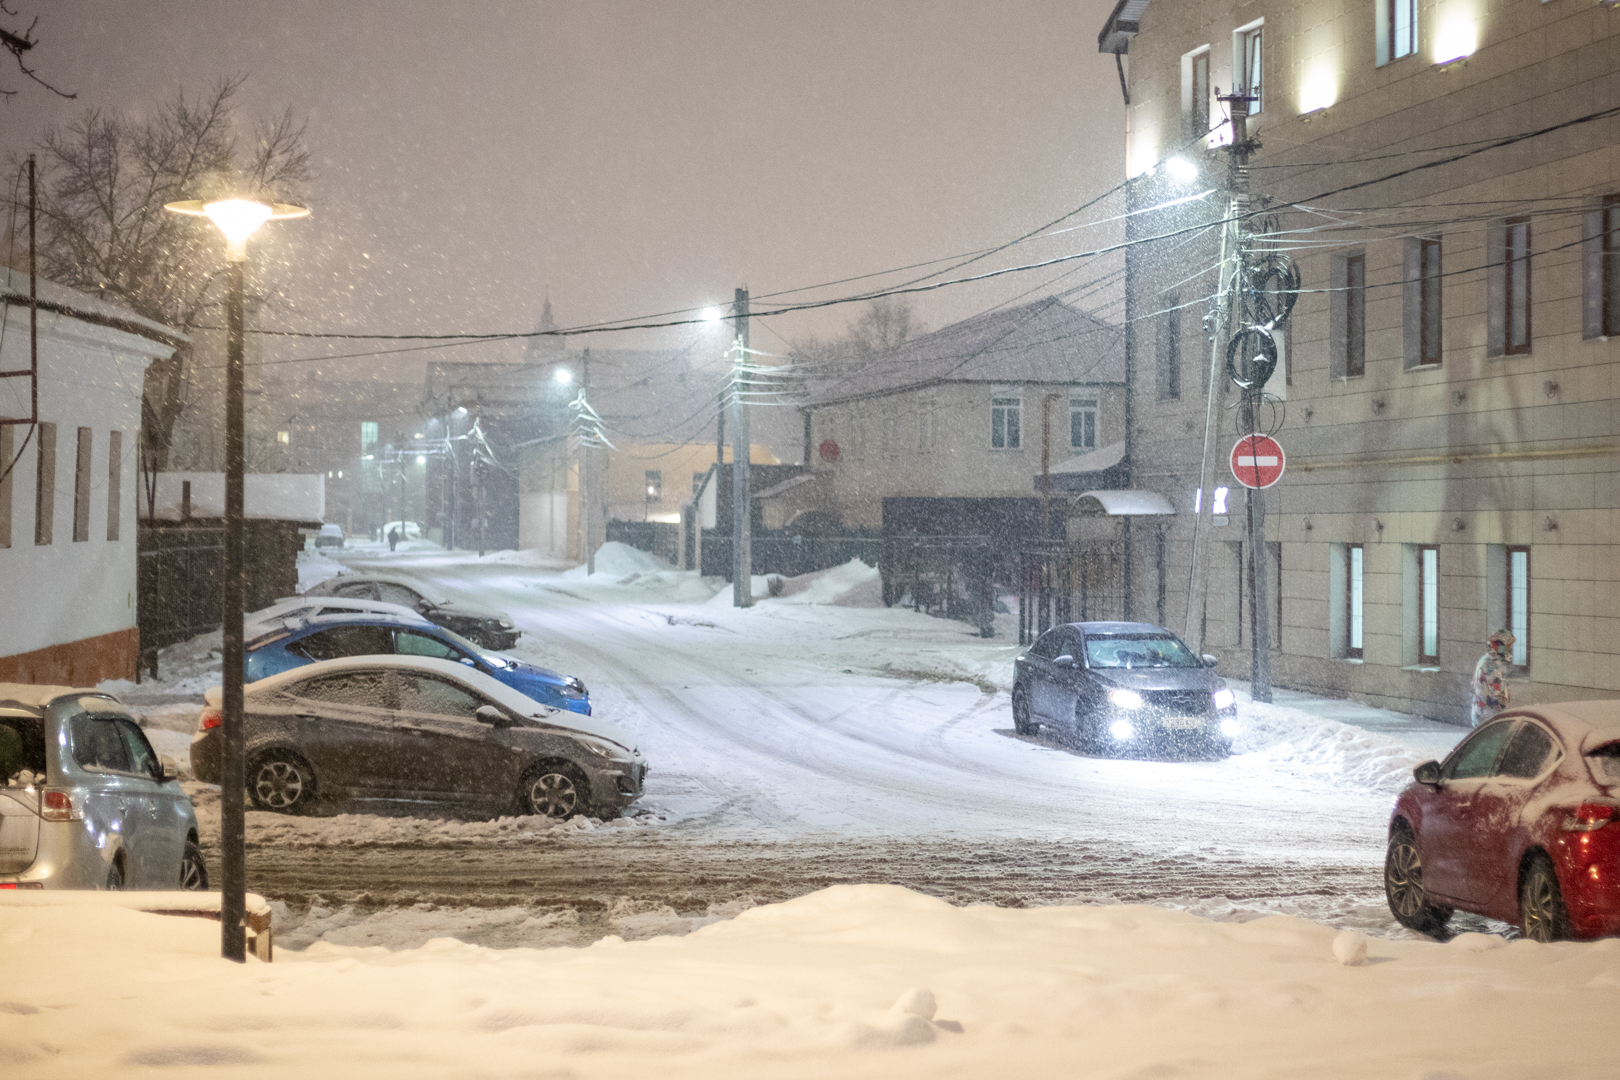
<point x="854" y="584"/>
<point x="537" y="560"/>
<point x="855" y="981"/>
<point x="314" y="567"/>
<point x="353" y="830"/>
<point x="412" y="926"/>
<point x="186" y="667"/>
<point x="1294" y="741"/>
<point x="617" y="560"/>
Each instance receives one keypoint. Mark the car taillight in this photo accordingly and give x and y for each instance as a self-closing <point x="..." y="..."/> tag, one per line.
<point x="1589" y="817"/>
<point x="57" y="806"/>
<point x="210" y="718"/>
<point x="22" y="884"/>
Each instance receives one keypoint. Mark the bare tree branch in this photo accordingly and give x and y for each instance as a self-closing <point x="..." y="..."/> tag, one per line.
<point x="18" y="44"/>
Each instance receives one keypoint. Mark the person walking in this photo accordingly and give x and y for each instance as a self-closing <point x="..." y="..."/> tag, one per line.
<point x="393" y="539"/>
<point x="1491" y="678"/>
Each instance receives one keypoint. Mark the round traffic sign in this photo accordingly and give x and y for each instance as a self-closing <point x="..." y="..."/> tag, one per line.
<point x="1258" y="461"/>
<point x="829" y="451"/>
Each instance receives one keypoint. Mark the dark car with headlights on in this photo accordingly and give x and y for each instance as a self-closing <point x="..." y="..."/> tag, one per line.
<point x="417" y="729"/>
<point x="1122" y="688"/>
<point x="299" y="641"/>
<point x="1521" y="823"/>
<point x="491" y="629"/>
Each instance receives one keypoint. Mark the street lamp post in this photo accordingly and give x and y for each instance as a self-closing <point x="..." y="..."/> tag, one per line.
<point x="237" y="219"/>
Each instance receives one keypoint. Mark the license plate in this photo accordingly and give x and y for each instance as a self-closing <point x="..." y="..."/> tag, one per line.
<point x="1183" y="723"/>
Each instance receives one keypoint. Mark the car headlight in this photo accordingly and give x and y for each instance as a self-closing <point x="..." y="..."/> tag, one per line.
<point x="1225" y="699"/>
<point x="574" y="690"/>
<point x="1125" y="699"/>
<point x="1121" y="729"/>
<point x="604" y="750"/>
<point x="506" y="624"/>
<point x="1229" y="728"/>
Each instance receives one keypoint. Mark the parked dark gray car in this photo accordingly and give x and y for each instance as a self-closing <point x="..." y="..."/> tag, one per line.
<point x="1122" y="687"/>
<point x="491" y="629"/>
<point x="85" y="803"/>
<point x="420" y="729"/>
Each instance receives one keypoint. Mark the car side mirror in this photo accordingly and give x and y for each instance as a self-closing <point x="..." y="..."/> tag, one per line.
<point x="1427" y="773"/>
<point x="489" y="714"/>
<point x="1209" y="660"/>
<point x="168" y="769"/>
<point x="1066" y="661"/>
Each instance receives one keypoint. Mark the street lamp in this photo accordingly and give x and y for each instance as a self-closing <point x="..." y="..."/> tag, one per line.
<point x="237" y="219"/>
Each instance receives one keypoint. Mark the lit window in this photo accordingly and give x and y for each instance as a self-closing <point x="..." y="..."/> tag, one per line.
<point x="1250" y="55"/>
<point x="284" y="437"/>
<point x="1353" y="594"/>
<point x="1518" y="602"/>
<point x="1429" y="606"/>
<point x="1218" y="507"/>
<point x="368" y="435"/>
<point x="1397" y="29"/>
<point x="1005" y="405"/>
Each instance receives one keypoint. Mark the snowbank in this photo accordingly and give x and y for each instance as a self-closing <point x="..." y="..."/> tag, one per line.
<point x="614" y="559"/>
<point x="854" y="584"/>
<point x="854" y="981"/>
<point x="186" y="667"/>
<point x="1295" y="742"/>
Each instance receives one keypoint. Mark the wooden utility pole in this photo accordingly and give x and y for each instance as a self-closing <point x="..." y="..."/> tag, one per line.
<point x="741" y="494"/>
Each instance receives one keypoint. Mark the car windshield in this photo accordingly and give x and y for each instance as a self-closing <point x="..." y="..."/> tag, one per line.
<point x="1138" y="651"/>
<point x="494" y="659"/>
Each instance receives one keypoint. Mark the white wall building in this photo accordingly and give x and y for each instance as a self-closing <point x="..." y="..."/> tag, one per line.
<point x="68" y="503"/>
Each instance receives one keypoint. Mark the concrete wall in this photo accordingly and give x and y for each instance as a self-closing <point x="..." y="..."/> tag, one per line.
<point x="67" y="606"/>
<point x="1475" y="452"/>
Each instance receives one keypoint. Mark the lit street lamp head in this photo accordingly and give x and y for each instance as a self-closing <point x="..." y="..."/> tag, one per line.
<point x="564" y="376"/>
<point x="710" y="314"/>
<point x="237" y="219"/>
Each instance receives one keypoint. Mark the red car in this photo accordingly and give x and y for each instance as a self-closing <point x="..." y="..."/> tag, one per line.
<point x="1520" y="823"/>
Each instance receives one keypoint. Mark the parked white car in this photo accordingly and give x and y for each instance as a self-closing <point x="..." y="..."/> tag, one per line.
<point x="329" y="536"/>
<point x="85" y="803"/>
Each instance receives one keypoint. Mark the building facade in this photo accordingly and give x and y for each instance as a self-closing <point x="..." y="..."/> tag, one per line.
<point x="1446" y="177"/>
<point x="68" y="493"/>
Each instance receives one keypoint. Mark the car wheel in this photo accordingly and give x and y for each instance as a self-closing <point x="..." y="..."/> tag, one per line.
<point x="1403" y="887"/>
<point x="1084" y="732"/>
<point x="554" y="791"/>
<point x="1022" y="723"/>
<point x="1542" y="915"/>
<point x="281" y="782"/>
<point x="193" y="874"/>
<point x="115" y="876"/>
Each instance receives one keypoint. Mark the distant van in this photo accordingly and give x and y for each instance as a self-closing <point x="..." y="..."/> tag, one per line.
<point x="329" y="536"/>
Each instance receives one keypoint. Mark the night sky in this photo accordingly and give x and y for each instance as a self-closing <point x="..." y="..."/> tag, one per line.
<point x="627" y="158"/>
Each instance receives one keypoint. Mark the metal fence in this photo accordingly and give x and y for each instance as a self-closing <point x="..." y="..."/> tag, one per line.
<point x="949" y="576"/>
<point x="790" y="556"/>
<point x="179" y="573"/>
<point x="1060" y="583"/>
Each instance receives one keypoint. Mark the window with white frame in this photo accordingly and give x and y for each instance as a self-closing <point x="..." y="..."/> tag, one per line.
<point x="1397" y="29"/>
<point x="1082" y="419"/>
<point x="927" y="424"/>
<point x="1195" y="92"/>
<point x="1518" y="602"/>
<point x="1248" y="55"/>
<point x="1428" y="598"/>
<point x="1006" y="407"/>
<point x="1354" y="594"/>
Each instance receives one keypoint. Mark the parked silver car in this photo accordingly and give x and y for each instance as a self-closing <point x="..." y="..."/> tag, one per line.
<point x="85" y="803"/>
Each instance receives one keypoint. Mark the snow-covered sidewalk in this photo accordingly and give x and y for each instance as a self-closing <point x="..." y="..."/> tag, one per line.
<point x="862" y="981"/>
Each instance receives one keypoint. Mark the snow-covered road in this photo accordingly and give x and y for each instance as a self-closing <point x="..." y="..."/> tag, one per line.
<point x="798" y="744"/>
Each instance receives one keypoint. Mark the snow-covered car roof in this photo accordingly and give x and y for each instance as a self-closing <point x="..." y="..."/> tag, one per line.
<point x="294" y="605"/>
<point x="432" y="594"/>
<point x="1585" y="725"/>
<point x="35" y="698"/>
<point x="487" y="685"/>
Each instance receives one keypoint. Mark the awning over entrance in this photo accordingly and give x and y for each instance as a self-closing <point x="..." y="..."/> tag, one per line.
<point x="1124" y="503"/>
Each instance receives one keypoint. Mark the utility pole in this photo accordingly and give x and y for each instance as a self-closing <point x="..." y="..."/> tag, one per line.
<point x="742" y="566"/>
<point x="1254" y="498"/>
<point x="585" y="470"/>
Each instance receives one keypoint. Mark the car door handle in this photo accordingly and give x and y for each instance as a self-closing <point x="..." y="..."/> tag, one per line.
<point x="308" y="716"/>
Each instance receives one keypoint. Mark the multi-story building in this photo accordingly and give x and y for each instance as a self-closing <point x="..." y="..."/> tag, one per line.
<point x="1446" y="176"/>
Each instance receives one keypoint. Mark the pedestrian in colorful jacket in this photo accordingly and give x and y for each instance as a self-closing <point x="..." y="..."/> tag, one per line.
<point x="1491" y="678"/>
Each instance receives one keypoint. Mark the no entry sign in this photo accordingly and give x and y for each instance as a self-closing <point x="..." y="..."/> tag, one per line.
<point x="1258" y="461"/>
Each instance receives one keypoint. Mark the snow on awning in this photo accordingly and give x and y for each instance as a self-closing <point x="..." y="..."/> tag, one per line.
<point x="1095" y="461"/>
<point x="1129" y="503"/>
<point x="785" y="486"/>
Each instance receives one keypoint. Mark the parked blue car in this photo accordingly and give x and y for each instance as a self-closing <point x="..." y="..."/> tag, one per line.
<point x="301" y="641"/>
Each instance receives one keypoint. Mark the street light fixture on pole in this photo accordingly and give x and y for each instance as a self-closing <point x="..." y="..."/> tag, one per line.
<point x="237" y="219"/>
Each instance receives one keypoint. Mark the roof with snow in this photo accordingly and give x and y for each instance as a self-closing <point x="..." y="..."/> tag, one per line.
<point x="1043" y="342"/>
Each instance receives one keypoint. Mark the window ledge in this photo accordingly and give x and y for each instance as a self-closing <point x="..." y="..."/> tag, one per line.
<point x="1427" y="669"/>
<point x="1352" y="660"/>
